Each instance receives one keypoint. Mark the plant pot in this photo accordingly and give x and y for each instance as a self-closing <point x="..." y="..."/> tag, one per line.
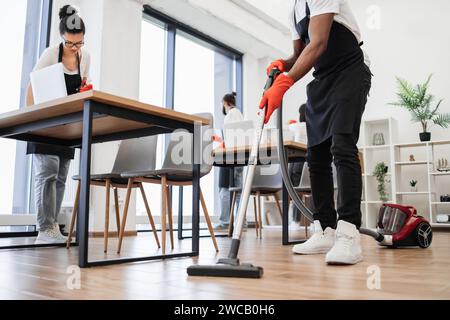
<point x="425" y="136"/>
<point x="414" y="189"/>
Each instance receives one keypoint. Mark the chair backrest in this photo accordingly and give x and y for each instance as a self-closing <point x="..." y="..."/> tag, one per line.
<point x="136" y="155"/>
<point x="305" y="180"/>
<point x="268" y="176"/>
<point x="181" y="141"/>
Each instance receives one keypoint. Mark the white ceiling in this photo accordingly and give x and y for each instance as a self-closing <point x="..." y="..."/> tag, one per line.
<point x="250" y="26"/>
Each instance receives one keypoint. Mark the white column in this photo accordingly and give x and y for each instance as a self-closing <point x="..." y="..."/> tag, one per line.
<point x="113" y="40"/>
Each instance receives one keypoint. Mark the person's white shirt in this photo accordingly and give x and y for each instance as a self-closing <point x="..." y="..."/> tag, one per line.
<point x="50" y="57"/>
<point x="233" y="115"/>
<point x="343" y="15"/>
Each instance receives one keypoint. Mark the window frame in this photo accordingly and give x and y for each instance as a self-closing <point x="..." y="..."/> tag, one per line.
<point x="171" y="26"/>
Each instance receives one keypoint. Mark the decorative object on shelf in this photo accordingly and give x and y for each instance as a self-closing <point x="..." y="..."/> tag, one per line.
<point x="378" y="139"/>
<point x="443" y="218"/>
<point x="443" y="165"/>
<point x="412" y="158"/>
<point x="445" y="198"/>
<point x="413" y="184"/>
<point x="418" y="102"/>
<point x="380" y="173"/>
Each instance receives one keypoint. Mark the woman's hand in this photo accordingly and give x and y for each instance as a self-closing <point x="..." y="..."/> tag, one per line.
<point x="86" y="87"/>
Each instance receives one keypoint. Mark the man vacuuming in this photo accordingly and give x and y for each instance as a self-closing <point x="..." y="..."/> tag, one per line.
<point x="327" y="38"/>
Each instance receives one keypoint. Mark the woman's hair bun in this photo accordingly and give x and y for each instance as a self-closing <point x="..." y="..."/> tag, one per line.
<point x="234" y="93"/>
<point x="67" y="11"/>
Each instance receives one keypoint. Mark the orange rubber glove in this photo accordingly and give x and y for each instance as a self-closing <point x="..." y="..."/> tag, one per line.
<point x="274" y="96"/>
<point x="279" y="64"/>
<point x="219" y="140"/>
<point x="88" y="87"/>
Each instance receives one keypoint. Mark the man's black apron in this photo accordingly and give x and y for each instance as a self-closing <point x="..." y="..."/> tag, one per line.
<point x="73" y="84"/>
<point x="338" y="93"/>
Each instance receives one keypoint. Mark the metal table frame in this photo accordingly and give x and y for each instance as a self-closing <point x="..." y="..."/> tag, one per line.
<point x="92" y="110"/>
<point x="180" y="229"/>
<point x="241" y="159"/>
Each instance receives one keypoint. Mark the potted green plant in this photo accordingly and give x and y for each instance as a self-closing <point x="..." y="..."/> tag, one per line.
<point x="380" y="173"/>
<point x="418" y="102"/>
<point x="413" y="184"/>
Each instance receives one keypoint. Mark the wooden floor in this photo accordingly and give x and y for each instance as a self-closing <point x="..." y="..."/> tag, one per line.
<point x="405" y="273"/>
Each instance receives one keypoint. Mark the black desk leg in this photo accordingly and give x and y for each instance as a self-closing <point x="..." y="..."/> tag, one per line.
<point x="285" y="208"/>
<point x="285" y="197"/>
<point x="77" y="224"/>
<point x="232" y="183"/>
<point x="180" y="213"/>
<point x="83" y="216"/>
<point x="196" y="209"/>
<point x="196" y="157"/>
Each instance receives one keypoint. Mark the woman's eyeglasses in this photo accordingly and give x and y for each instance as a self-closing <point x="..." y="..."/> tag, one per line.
<point x="70" y="44"/>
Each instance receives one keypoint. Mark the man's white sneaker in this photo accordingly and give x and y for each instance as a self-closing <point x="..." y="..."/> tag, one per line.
<point x="320" y="242"/>
<point x="347" y="248"/>
<point x="49" y="236"/>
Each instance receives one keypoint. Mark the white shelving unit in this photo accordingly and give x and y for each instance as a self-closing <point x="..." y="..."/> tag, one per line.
<point x="432" y="189"/>
<point x="432" y="183"/>
<point x="373" y="154"/>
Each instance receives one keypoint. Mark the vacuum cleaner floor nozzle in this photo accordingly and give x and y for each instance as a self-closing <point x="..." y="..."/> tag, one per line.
<point x="223" y="270"/>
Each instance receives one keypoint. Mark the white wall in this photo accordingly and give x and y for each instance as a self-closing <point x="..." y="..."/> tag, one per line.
<point x="412" y="42"/>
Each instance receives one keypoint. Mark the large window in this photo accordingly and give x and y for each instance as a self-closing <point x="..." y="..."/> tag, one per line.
<point x="24" y="26"/>
<point x="202" y="77"/>
<point x="11" y="19"/>
<point x="184" y="70"/>
<point x="151" y="90"/>
<point x="153" y="40"/>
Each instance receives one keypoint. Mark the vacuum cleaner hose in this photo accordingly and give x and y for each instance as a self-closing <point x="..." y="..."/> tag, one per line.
<point x="304" y="210"/>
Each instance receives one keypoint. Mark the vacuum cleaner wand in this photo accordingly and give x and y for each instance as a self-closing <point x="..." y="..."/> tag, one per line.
<point x="231" y="267"/>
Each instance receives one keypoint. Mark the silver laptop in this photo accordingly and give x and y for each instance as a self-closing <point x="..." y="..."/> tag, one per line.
<point x="48" y="83"/>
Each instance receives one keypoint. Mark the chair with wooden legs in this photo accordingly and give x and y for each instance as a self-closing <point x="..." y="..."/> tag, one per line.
<point x="174" y="172"/>
<point x="133" y="154"/>
<point x="267" y="182"/>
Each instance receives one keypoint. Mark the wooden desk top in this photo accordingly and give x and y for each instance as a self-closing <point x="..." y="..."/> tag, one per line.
<point x="229" y="157"/>
<point x="293" y="145"/>
<point x="101" y="126"/>
<point x="74" y="103"/>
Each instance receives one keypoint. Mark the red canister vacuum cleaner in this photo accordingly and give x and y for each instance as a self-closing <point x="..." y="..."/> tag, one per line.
<point x="402" y="227"/>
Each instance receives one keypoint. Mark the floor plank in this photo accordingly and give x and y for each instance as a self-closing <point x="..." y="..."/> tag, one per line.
<point x="405" y="273"/>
